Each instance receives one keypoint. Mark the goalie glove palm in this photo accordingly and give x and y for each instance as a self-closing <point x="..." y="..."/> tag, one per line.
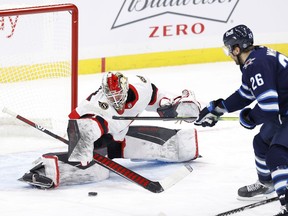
<point x="185" y="105"/>
<point x="209" y="116"/>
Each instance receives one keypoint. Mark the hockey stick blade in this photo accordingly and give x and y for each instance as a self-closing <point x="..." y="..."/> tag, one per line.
<point x="153" y="118"/>
<point x="176" y="177"/>
<point x="152" y="186"/>
<point x="250" y="206"/>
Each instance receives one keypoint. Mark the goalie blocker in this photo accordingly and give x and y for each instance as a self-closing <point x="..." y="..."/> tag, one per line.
<point x="141" y="142"/>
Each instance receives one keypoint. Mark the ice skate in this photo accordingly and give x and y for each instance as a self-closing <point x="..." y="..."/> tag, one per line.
<point x="256" y="191"/>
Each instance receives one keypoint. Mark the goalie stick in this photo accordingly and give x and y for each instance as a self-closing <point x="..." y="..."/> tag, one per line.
<point x="250" y="206"/>
<point x="152" y="186"/>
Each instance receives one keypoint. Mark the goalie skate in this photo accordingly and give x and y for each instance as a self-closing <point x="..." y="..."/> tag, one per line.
<point x="37" y="180"/>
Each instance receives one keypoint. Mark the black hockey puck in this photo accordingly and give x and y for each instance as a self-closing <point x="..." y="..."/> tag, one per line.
<point x="92" y="194"/>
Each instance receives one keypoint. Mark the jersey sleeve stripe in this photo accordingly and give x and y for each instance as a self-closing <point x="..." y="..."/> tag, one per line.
<point x="267" y="95"/>
<point x="272" y="107"/>
<point x="246" y="94"/>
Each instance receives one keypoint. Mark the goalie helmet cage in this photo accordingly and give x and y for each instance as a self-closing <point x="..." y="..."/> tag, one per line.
<point x="39" y="63"/>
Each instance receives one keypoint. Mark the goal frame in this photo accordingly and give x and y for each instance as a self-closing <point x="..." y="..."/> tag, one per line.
<point x="74" y="36"/>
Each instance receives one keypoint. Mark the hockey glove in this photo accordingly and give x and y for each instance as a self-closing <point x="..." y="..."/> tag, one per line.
<point x="185" y="105"/>
<point x="209" y="116"/>
<point x="245" y="120"/>
<point x="166" y="108"/>
<point x="188" y="106"/>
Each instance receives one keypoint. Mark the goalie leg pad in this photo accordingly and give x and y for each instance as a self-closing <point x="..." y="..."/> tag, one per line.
<point x="71" y="175"/>
<point x="181" y="146"/>
<point x="44" y="174"/>
<point x="187" y="144"/>
<point x="75" y="173"/>
<point x="49" y="172"/>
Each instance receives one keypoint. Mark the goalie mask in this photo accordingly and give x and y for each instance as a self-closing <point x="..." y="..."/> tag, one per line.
<point x="115" y="88"/>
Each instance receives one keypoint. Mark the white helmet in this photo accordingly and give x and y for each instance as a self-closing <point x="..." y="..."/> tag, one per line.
<point x="115" y="87"/>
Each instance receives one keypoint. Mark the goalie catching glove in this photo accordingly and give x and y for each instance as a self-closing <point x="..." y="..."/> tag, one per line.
<point x="185" y="105"/>
<point x="209" y="116"/>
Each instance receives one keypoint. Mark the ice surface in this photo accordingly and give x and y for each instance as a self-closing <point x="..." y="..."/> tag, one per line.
<point x="227" y="162"/>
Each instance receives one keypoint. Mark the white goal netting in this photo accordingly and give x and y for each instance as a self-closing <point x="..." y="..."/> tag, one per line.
<point x="36" y="68"/>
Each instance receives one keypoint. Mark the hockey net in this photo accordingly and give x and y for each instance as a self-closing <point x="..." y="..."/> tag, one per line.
<point x="38" y="66"/>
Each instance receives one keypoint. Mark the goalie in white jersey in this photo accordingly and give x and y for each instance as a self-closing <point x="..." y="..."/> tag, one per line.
<point x="92" y="129"/>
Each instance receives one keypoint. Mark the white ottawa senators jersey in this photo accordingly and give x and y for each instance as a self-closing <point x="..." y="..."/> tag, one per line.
<point x="141" y="96"/>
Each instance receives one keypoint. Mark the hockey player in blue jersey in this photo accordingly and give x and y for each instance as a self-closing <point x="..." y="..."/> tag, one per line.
<point x="264" y="80"/>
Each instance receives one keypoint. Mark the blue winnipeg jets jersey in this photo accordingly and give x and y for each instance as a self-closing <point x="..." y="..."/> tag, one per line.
<point x="264" y="79"/>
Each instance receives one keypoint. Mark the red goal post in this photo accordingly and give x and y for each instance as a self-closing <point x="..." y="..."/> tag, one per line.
<point x="18" y="32"/>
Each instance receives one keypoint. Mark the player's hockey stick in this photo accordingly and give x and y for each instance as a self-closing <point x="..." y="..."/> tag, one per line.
<point x="250" y="206"/>
<point x="224" y="118"/>
<point x="153" y="186"/>
<point x="153" y="118"/>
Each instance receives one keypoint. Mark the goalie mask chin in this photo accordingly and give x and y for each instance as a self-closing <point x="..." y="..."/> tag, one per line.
<point x="115" y="88"/>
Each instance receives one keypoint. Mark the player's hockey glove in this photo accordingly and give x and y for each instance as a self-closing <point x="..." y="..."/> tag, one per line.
<point x="245" y="119"/>
<point x="209" y="116"/>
